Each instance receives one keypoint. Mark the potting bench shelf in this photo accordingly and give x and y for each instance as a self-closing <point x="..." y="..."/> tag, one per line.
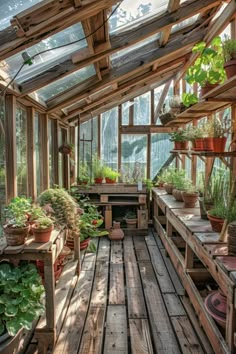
<point x="182" y="228"/>
<point x="119" y="194"/>
<point x="205" y="153"/>
<point x="46" y="330"/>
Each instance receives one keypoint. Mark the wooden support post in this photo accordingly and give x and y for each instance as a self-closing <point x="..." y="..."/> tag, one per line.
<point x="55" y="152"/>
<point x="31" y="161"/>
<point x="65" y="163"/>
<point x="153" y="122"/>
<point x="73" y="166"/>
<point x="99" y="135"/>
<point x="149" y="141"/>
<point x="108" y="217"/>
<point x="10" y="141"/>
<point x="131" y="113"/>
<point x="189" y="254"/>
<point x="119" y="135"/>
<point x="44" y="153"/>
<point x="169" y="229"/>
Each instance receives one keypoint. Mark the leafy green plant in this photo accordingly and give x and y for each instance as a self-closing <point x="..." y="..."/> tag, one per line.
<point x="189" y="99"/>
<point x="130" y="215"/>
<point x="18" y="207"/>
<point x="149" y="184"/>
<point x="21" y="297"/>
<point x="97" y="167"/>
<point x="43" y="222"/>
<point x="83" y="172"/>
<point x="178" y="135"/>
<point x="110" y="173"/>
<point x="229" y="49"/>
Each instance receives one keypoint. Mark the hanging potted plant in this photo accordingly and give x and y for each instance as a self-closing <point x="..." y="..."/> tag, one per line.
<point x="66" y="148"/>
<point x="21" y="300"/>
<point x="229" y="50"/>
<point x="42" y="229"/>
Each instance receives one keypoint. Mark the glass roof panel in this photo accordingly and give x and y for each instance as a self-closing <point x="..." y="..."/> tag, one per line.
<point x="65" y="83"/>
<point x="44" y="61"/>
<point x="10" y="8"/>
<point x="188" y="22"/>
<point x="135" y="12"/>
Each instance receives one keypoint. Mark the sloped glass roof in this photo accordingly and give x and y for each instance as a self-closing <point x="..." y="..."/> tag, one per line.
<point x="133" y="12"/>
<point x="9" y="8"/>
<point x="45" y="60"/>
<point x="65" y="83"/>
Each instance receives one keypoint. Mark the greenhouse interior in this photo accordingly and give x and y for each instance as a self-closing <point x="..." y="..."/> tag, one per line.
<point x="117" y="176"/>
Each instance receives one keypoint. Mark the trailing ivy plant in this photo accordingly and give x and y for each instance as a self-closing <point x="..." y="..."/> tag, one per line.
<point x="21" y="297"/>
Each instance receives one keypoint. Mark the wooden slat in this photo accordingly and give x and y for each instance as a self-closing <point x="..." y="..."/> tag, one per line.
<point x="103" y="250"/>
<point x="136" y="303"/>
<point x="69" y="339"/>
<point x="99" y="293"/>
<point x="186" y="336"/>
<point x="140" y="336"/>
<point x="163" y="335"/>
<point x="116" y="287"/>
<point x="116" y="252"/>
<point x="174" y="305"/>
<point x="91" y="342"/>
<point x="116" y="330"/>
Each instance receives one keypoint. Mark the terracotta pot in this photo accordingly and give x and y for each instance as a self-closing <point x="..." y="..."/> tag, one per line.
<point x="219" y="144"/>
<point x="208" y="144"/>
<point x="199" y="144"/>
<point x="116" y="232"/>
<point x="207" y="88"/>
<point x="98" y="180"/>
<point x="64" y="149"/>
<point x="109" y="180"/>
<point x="190" y="199"/>
<point x="131" y="223"/>
<point x="42" y="235"/>
<point x="181" y="145"/>
<point x="168" y="188"/>
<point x="230" y="68"/>
<point x="216" y="223"/>
<point x="216" y="304"/>
<point x="84" y="244"/>
<point x="16" y="236"/>
<point x="177" y="194"/>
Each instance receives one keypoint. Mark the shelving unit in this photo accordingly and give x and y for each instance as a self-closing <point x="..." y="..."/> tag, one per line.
<point x="170" y="217"/>
<point x="217" y="99"/>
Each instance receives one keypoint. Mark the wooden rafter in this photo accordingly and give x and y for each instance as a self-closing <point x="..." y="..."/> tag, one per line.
<point x="173" y="5"/>
<point x="161" y="100"/>
<point x="172" y="51"/>
<point x="45" y="19"/>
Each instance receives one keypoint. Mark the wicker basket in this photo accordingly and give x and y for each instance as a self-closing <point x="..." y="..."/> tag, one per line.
<point x="16" y="237"/>
<point x="166" y="118"/>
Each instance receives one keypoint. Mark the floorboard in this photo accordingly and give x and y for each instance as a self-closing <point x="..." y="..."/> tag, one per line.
<point x="129" y="300"/>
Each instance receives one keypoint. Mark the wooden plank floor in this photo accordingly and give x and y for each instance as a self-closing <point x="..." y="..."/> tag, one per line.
<point x="129" y="299"/>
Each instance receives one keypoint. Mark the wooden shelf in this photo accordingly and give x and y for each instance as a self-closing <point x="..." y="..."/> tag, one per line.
<point x="215" y="100"/>
<point x="205" y="153"/>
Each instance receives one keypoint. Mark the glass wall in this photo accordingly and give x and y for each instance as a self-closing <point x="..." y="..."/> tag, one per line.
<point x="109" y="138"/>
<point x="160" y="147"/>
<point x="133" y="157"/>
<point x="2" y="153"/>
<point x="21" y="153"/>
<point x="142" y="109"/>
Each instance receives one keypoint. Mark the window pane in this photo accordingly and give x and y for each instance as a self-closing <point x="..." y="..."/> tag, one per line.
<point x="125" y="113"/>
<point x="48" y="59"/>
<point x="142" y="109"/>
<point x="50" y="129"/>
<point x="109" y="138"/>
<point x="8" y="9"/>
<point x="88" y="131"/>
<point x="21" y="157"/>
<point x="65" y="83"/>
<point x="133" y="157"/>
<point x="160" y="147"/>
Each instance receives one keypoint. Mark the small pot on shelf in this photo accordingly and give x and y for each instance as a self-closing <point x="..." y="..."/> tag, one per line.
<point x="216" y="223"/>
<point x="42" y="235"/>
<point x="219" y="144"/>
<point x="116" y="233"/>
<point x="190" y="199"/>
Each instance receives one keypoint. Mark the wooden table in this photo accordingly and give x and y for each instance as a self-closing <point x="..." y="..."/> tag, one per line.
<point x="46" y="252"/>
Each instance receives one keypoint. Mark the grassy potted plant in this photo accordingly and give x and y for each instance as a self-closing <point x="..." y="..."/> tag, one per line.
<point x="21" y="301"/>
<point x="98" y="170"/>
<point x="110" y="175"/>
<point x="229" y="50"/>
<point x="83" y="177"/>
<point x="42" y="229"/>
<point x="180" y="182"/>
<point x="208" y="69"/>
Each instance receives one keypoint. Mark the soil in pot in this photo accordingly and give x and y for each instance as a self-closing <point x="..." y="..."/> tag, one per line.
<point x="190" y="199"/>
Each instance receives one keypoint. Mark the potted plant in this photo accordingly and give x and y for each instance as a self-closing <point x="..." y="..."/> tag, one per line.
<point x="131" y="220"/>
<point x="179" y="139"/>
<point x="176" y="106"/>
<point x="83" y="177"/>
<point x="190" y="196"/>
<point x="16" y="227"/>
<point x="98" y="170"/>
<point x="168" y="179"/>
<point x="110" y="175"/>
<point x="229" y="50"/>
<point x="220" y="129"/>
<point x="208" y="68"/>
<point x="180" y="182"/>
<point x="217" y="216"/>
<point x="66" y="148"/>
<point x="21" y="301"/>
<point x="42" y="229"/>
<point x="36" y="212"/>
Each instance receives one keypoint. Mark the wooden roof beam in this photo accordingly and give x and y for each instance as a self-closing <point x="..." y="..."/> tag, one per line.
<point x="214" y="29"/>
<point x="45" y="19"/>
<point x="103" y="50"/>
<point x="173" y="5"/>
<point x="175" y="49"/>
<point x="161" y="100"/>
